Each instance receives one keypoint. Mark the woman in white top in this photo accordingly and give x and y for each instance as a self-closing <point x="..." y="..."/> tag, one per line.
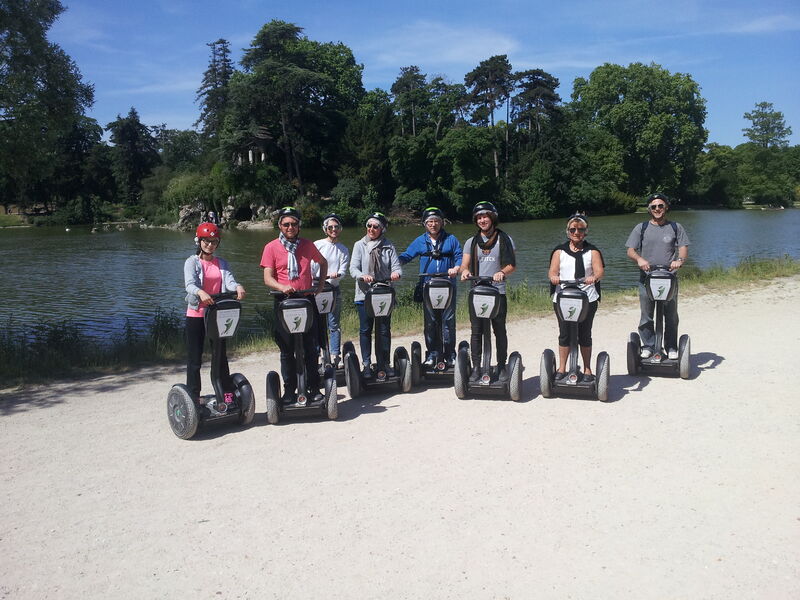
<point x="577" y="259"/>
<point x="338" y="257"/>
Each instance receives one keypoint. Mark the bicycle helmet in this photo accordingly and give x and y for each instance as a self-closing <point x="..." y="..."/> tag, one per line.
<point x="485" y="208"/>
<point x="432" y="212"/>
<point x="207" y="230"/>
<point x="289" y="211"/>
<point x="658" y="196"/>
<point x="331" y="217"/>
<point x="380" y="217"/>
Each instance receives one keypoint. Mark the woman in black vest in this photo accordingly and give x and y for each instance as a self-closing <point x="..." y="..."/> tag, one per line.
<point x="577" y="259"/>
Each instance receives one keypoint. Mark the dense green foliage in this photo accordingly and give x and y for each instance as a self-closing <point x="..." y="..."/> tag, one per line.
<point x="292" y="123"/>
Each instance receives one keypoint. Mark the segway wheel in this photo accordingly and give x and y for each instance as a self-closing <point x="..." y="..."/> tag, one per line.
<point x="634" y="348"/>
<point x="684" y="354"/>
<point x="402" y="366"/>
<point x="461" y="372"/>
<point x="273" y="398"/>
<point x="247" y="399"/>
<point x="603" y="371"/>
<point x="515" y="377"/>
<point x="351" y="375"/>
<point x="547" y="373"/>
<point x="463" y="344"/>
<point x="331" y="398"/>
<point x="416" y="363"/>
<point x="182" y="412"/>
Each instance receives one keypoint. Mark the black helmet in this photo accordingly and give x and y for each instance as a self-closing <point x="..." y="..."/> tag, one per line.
<point x="432" y="211"/>
<point x="380" y="217"/>
<point x="289" y="211"/>
<point x="578" y="217"/>
<point x="485" y="207"/>
<point x="331" y="217"/>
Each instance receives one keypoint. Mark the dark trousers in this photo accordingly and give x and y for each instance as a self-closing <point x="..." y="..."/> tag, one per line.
<point x="647" y="330"/>
<point x="500" y="335"/>
<point x="286" y="344"/>
<point x="447" y="341"/>
<point x="383" y="337"/>
<point x="195" y="340"/>
<point x="584" y="328"/>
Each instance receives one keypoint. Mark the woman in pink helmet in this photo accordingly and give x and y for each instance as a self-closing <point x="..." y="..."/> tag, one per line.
<point x="204" y="275"/>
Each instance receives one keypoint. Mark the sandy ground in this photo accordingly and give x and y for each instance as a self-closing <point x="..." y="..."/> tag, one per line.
<point x="675" y="489"/>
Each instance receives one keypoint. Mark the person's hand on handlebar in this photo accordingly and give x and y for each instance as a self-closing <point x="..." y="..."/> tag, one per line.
<point x="205" y="298"/>
<point x="367" y="278"/>
<point x="675" y="265"/>
<point x="643" y="264"/>
<point x="555" y="279"/>
<point x="499" y="276"/>
<point x="465" y="274"/>
<point x="287" y="289"/>
<point x="453" y="272"/>
<point x="240" y="293"/>
<point x="394" y="276"/>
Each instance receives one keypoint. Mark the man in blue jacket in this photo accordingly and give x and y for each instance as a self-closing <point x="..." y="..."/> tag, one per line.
<point x="439" y="252"/>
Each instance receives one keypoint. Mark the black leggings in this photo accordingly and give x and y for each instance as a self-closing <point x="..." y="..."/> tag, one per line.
<point x="195" y="340"/>
<point x="500" y="335"/>
<point x="584" y="328"/>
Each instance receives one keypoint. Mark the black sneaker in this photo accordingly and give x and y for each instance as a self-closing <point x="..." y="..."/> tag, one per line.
<point x="289" y="397"/>
<point x="475" y="375"/>
<point x="559" y="375"/>
<point x="502" y="373"/>
<point x="366" y="372"/>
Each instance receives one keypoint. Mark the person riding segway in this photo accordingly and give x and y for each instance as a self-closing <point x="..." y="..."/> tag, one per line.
<point x="490" y="254"/>
<point x="213" y="296"/>
<point x="576" y="268"/>
<point x="440" y="259"/>
<point x="375" y="266"/>
<point x="659" y="247"/>
<point x="287" y="271"/>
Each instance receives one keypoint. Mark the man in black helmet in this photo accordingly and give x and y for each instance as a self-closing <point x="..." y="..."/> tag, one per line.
<point x="490" y="253"/>
<point x="658" y="242"/>
<point x="439" y="252"/>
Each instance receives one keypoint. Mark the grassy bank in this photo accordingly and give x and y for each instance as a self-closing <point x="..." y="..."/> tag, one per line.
<point x="58" y="350"/>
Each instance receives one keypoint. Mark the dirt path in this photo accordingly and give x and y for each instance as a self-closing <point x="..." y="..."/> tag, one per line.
<point x="677" y="489"/>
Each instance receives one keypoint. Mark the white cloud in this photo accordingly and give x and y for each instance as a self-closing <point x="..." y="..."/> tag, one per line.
<point x="769" y="24"/>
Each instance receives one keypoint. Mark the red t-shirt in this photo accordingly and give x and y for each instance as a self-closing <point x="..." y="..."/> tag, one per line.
<point x="276" y="257"/>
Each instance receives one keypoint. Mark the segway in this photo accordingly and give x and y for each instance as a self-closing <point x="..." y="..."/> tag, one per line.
<point x="572" y="304"/>
<point x="233" y="399"/>
<point x="296" y="316"/>
<point x="483" y="302"/>
<point x="660" y="284"/>
<point x="379" y="302"/>
<point x="324" y="300"/>
<point x="438" y="294"/>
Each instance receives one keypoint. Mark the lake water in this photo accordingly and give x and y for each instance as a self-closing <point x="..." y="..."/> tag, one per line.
<point x="102" y="279"/>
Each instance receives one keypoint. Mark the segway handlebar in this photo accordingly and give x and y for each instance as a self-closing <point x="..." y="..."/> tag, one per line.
<point x="305" y="292"/>
<point x="444" y="274"/>
<point x="224" y="296"/>
<point x="479" y="280"/>
<point x="660" y="268"/>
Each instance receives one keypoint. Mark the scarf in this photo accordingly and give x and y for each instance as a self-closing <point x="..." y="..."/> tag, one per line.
<point x="291" y="248"/>
<point x="377" y="267"/>
<point x="580" y="269"/>
<point x="506" y="249"/>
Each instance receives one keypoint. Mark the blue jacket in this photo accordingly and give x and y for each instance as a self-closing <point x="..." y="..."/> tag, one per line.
<point x="422" y="247"/>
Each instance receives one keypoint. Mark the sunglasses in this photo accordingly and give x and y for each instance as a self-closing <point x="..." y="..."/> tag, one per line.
<point x="577" y="229"/>
<point x="371" y="226"/>
<point x="657" y="206"/>
<point x="211" y="241"/>
<point x="290" y="224"/>
<point x="333" y="227"/>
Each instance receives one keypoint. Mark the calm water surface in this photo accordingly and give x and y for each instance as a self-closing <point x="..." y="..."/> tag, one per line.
<point x="102" y="279"/>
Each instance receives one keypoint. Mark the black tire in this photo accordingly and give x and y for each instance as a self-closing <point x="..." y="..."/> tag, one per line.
<point x="684" y="357"/>
<point x="273" y="398"/>
<point x="416" y="363"/>
<point x="403" y="370"/>
<point x="247" y="399"/>
<point x="461" y="372"/>
<point x="348" y="347"/>
<point x="463" y="344"/>
<point x="331" y="398"/>
<point x="602" y="376"/>
<point x="351" y="375"/>
<point x="515" y="377"/>
<point x="634" y="348"/>
<point x="182" y="412"/>
<point x="547" y="373"/>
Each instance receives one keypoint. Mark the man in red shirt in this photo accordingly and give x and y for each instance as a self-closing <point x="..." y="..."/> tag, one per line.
<point x="287" y="269"/>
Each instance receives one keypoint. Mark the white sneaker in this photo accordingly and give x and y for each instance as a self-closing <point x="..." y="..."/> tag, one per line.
<point x="673" y="354"/>
<point x="646" y="353"/>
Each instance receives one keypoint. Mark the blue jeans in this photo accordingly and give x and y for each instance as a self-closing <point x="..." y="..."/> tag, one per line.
<point x="383" y="337"/>
<point x="334" y="329"/>
<point x="647" y="327"/>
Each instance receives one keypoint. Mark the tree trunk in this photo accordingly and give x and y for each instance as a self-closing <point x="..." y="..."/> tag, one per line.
<point x="287" y="150"/>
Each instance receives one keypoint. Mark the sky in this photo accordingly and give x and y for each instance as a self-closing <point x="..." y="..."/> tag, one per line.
<point x="151" y="54"/>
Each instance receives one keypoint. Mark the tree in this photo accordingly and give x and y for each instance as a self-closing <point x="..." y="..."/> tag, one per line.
<point x="536" y="101"/>
<point x="410" y="95"/>
<point x="213" y="92"/>
<point x="134" y="154"/>
<point x="768" y="128"/>
<point x="42" y="96"/>
<point x="657" y="117"/>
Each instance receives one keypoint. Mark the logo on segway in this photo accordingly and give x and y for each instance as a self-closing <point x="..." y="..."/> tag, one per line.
<point x="438" y="300"/>
<point x="572" y="310"/>
<point x="484" y="308"/>
<point x="324" y="304"/>
<point x="382" y="307"/>
<point x="228" y="325"/>
<point x="296" y="323"/>
<point x="660" y="291"/>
